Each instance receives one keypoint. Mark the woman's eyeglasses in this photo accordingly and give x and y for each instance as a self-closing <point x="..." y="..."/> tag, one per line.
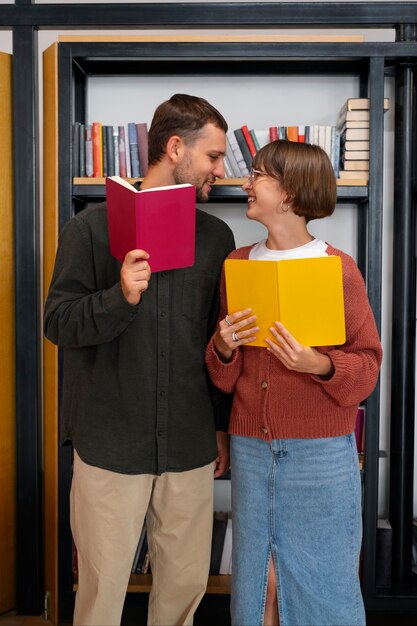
<point x="254" y="175"/>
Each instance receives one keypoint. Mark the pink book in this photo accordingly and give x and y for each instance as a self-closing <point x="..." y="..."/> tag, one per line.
<point x="160" y="221"/>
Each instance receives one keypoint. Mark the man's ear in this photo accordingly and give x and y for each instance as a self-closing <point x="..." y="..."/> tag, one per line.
<point x="175" y="148"/>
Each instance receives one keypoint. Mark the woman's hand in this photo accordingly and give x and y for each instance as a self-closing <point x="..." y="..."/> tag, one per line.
<point x="296" y="356"/>
<point x="229" y="334"/>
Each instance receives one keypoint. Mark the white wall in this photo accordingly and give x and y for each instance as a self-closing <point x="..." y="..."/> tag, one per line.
<point x="261" y="102"/>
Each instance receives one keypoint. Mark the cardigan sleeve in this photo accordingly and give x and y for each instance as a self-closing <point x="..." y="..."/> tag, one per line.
<point x="357" y="362"/>
<point x="224" y="375"/>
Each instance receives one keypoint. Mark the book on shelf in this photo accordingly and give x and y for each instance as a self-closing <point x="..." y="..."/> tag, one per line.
<point x="89" y="170"/>
<point x="116" y="150"/>
<point x="240" y="138"/>
<point x="109" y="151"/>
<point x="305" y="295"/>
<point x="122" y="152"/>
<point x="231" y="157"/>
<point x="133" y="149"/>
<point x="273" y="133"/>
<point x="226" y="558"/>
<point x="363" y="175"/>
<point x="96" y="134"/>
<point x="301" y="134"/>
<point x="231" y="138"/>
<point x="249" y="140"/>
<point x="104" y="151"/>
<point x="353" y="104"/>
<point x="142" y="137"/>
<point x="228" y="172"/>
<point x="260" y="137"/>
<point x="82" y="149"/>
<point x="355" y="155"/>
<point x="358" y="134"/>
<point x="357" y="165"/>
<point x="292" y="133"/>
<point x="127" y="148"/>
<point x="354" y="124"/>
<point x="160" y="221"/>
<point x="217" y="541"/>
<point x="355" y="145"/>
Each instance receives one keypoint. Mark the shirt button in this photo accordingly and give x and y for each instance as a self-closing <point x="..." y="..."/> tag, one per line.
<point x="163" y="313"/>
<point x="264" y="430"/>
<point x="264" y="384"/>
<point x="162" y="353"/>
<point x="162" y="393"/>
<point x="161" y="433"/>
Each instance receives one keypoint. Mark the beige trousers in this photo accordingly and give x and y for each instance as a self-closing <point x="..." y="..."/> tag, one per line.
<point x="107" y="513"/>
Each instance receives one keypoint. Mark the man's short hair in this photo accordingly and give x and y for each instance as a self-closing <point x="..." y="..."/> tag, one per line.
<point x="181" y="115"/>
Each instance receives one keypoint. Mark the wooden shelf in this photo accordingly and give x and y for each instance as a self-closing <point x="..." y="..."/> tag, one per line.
<point x="341" y="182"/>
<point x="141" y="583"/>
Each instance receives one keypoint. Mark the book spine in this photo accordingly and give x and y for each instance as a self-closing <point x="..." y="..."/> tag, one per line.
<point x="292" y="133"/>
<point x="111" y="170"/>
<point x="134" y="150"/>
<point x="249" y="140"/>
<point x="255" y="140"/>
<point x="232" y="159"/>
<point x="240" y="138"/>
<point x="301" y="134"/>
<point x="142" y="137"/>
<point x="89" y="170"/>
<point x="273" y="133"/>
<point x="116" y="151"/>
<point x="97" y="149"/>
<point x="122" y="152"/>
<point x="237" y="152"/>
<point x="228" y="172"/>
<point x="127" y="153"/>
<point x="104" y="150"/>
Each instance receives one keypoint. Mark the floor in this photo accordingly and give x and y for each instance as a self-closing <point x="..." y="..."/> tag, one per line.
<point x="208" y="614"/>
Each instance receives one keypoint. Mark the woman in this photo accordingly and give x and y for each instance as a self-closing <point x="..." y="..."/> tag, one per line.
<point x="296" y="490"/>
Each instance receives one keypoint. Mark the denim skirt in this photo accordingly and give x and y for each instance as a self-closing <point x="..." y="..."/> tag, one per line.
<point x="298" y="502"/>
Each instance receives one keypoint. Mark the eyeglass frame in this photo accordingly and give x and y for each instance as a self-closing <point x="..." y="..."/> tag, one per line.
<point x="254" y="174"/>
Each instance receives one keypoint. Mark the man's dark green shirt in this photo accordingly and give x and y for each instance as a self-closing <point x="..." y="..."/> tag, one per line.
<point x="136" y="396"/>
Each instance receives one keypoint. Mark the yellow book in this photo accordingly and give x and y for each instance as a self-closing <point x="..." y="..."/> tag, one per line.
<point x="305" y="295"/>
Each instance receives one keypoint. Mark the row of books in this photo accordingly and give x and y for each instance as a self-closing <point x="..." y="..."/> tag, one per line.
<point x="100" y="150"/>
<point x="353" y="125"/>
<point x="141" y="561"/>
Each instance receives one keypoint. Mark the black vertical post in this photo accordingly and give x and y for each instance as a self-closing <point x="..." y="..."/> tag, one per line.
<point x="28" y="365"/>
<point x="374" y="287"/>
<point x="403" y="319"/>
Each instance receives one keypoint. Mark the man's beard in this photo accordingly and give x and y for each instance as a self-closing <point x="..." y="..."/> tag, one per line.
<point x="183" y="174"/>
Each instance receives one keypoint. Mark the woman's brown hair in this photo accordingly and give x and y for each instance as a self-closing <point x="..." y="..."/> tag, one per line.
<point x="305" y="173"/>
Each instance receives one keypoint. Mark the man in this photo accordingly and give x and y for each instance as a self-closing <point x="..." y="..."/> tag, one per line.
<point x="137" y="405"/>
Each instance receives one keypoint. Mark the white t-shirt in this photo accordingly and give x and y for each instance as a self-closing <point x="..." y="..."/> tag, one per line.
<point x="313" y="248"/>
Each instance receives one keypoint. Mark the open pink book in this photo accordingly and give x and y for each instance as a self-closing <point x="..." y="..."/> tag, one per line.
<point x="160" y="221"/>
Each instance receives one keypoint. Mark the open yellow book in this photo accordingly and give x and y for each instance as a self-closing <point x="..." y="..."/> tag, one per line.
<point x="305" y="295"/>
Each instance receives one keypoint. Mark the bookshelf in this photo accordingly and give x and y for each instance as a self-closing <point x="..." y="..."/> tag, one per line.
<point x="7" y="348"/>
<point x="68" y="66"/>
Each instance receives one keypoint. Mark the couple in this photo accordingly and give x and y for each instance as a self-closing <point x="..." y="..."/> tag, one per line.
<point x="149" y="428"/>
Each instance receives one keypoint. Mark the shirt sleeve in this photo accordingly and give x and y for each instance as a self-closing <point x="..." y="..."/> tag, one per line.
<point x="76" y="313"/>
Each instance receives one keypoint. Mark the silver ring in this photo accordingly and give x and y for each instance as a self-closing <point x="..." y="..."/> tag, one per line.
<point x="235" y="337"/>
<point x="227" y="321"/>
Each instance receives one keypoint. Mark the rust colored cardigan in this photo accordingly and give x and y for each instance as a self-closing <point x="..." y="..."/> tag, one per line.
<point x="271" y="402"/>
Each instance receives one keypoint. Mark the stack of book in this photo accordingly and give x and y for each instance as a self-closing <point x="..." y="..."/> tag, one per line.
<point x="353" y="126"/>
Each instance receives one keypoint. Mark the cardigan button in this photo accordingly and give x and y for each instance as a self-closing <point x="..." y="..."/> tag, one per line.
<point x="264" y="430"/>
<point x="264" y="384"/>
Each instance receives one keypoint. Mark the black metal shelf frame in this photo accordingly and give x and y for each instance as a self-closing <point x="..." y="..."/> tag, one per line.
<point x="399" y="57"/>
